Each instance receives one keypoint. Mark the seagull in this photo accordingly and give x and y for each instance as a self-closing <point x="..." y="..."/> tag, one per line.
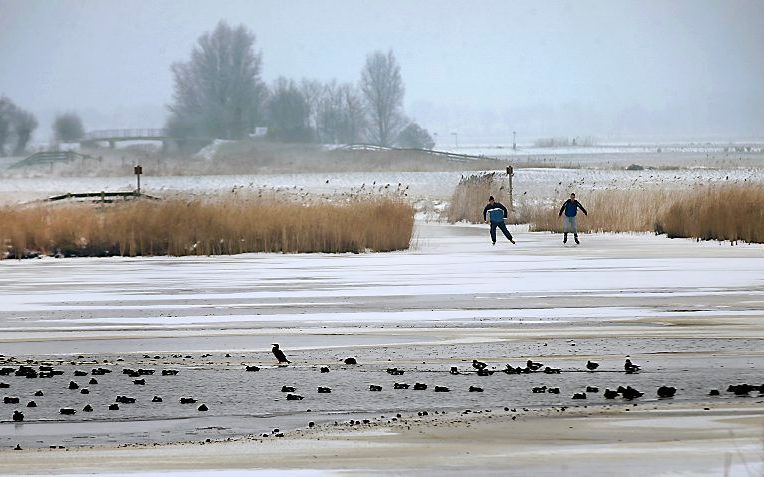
<point x="591" y="365"/>
<point x="279" y="354"/>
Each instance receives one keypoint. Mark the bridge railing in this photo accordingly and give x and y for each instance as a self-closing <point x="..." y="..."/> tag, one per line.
<point x="49" y="157"/>
<point x="106" y="134"/>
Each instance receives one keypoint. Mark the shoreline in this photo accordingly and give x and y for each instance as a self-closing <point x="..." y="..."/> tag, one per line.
<point x="494" y="441"/>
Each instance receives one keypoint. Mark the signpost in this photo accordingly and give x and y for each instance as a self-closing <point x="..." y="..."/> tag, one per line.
<point x="138" y="170"/>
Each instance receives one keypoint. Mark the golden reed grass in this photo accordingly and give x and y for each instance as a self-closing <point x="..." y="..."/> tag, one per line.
<point x="733" y="212"/>
<point x="714" y="212"/>
<point x="615" y="210"/>
<point x="208" y="226"/>
<point x="471" y="196"/>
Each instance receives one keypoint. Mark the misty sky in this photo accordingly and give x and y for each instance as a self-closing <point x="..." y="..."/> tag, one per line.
<point x="611" y="69"/>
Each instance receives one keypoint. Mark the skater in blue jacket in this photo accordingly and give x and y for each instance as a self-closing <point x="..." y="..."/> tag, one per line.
<point x="497" y="213"/>
<point x="570" y="207"/>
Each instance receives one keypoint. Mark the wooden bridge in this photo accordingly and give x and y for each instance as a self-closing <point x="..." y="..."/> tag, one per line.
<point x="112" y="136"/>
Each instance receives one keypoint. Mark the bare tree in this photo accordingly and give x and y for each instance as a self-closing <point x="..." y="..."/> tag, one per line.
<point x="328" y="114"/>
<point x="68" y="127"/>
<point x="6" y="114"/>
<point x="313" y="91"/>
<point x="383" y="91"/>
<point x="24" y="124"/>
<point x="218" y="92"/>
<point x="341" y="118"/>
<point x="288" y="113"/>
<point x="353" y="115"/>
<point x="15" y="124"/>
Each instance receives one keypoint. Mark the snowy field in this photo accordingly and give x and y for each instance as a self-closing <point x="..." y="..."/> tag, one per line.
<point x="691" y="314"/>
<point x="432" y="187"/>
<point x="623" y="150"/>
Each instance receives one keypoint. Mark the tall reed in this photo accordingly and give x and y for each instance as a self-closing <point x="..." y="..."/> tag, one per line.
<point x="731" y="212"/>
<point x="710" y="212"/>
<point x="207" y="226"/>
<point x="609" y="211"/>
<point x="713" y="212"/>
<point x="471" y="195"/>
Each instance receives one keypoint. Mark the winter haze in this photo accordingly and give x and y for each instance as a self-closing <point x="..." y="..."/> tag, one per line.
<point x="614" y="70"/>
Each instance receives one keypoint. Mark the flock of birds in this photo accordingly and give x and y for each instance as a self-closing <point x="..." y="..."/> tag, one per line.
<point x="479" y="367"/>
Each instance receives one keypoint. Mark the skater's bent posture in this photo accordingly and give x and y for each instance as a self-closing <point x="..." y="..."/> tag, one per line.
<point x="497" y="213"/>
<point x="570" y="207"/>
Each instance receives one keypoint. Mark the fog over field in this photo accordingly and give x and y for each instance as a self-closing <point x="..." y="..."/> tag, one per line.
<point x="624" y="70"/>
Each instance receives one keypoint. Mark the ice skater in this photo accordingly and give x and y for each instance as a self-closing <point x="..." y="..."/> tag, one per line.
<point x="497" y="213"/>
<point x="570" y="207"/>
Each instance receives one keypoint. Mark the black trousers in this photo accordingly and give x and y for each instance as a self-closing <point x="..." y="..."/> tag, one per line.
<point x="503" y="228"/>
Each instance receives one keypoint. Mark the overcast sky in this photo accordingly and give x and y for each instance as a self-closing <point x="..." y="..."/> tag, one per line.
<point x="611" y="69"/>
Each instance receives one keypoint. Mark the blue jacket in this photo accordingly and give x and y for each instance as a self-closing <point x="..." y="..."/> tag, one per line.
<point x="571" y="208"/>
<point x="497" y="210"/>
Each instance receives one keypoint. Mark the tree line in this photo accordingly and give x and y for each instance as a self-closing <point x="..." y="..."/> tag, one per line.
<point x="219" y="93"/>
<point x="17" y="126"/>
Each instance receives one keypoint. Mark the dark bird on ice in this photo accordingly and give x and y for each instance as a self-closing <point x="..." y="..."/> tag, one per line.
<point x="279" y="354"/>
<point x="629" y="367"/>
<point x="609" y="394"/>
<point x="478" y="364"/>
<point x="533" y="366"/>
<point x="666" y="391"/>
<point x="591" y="365"/>
<point x="631" y="393"/>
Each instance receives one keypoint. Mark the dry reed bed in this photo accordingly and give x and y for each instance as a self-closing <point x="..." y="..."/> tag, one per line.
<point x="471" y="195"/>
<point x="207" y="226"/>
<point x="714" y="212"/>
<point x="734" y="212"/>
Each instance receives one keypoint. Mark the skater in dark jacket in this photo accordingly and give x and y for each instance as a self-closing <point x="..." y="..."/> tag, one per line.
<point x="496" y="212"/>
<point x="570" y="207"/>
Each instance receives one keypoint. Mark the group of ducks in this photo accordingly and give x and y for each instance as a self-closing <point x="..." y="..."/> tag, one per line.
<point x="481" y="368"/>
<point x="46" y="371"/>
<point x="532" y="367"/>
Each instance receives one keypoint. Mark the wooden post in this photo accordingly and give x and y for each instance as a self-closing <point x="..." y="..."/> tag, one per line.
<point x="510" y="173"/>
<point x="138" y="170"/>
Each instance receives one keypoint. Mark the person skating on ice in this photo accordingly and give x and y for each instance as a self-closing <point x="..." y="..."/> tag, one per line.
<point x="496" y="212"/>
<point x="570" y="207"/>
